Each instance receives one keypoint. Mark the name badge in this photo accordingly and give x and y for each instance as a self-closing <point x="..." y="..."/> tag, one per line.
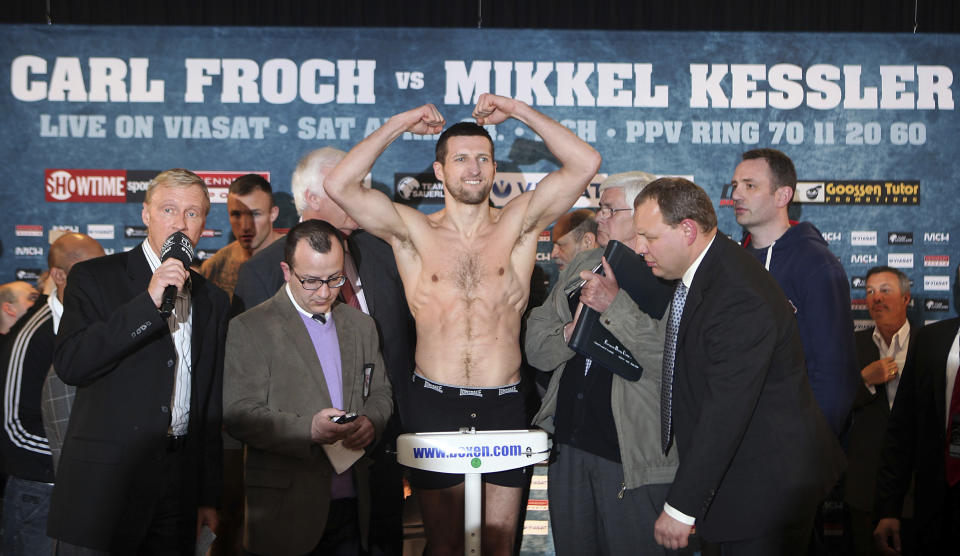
<point x="367" y="377"/>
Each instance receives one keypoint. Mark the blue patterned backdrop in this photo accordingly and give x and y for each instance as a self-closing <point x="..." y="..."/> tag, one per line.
<point x="91" y="113"/>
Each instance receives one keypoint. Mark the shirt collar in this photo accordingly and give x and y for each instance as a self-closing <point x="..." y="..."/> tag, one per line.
<point x="328" y="315"/>
<point x="56" y="309"/>
<point x="688" y="275"/>
<point x="898" y="340"/>
<point x="153" y="259"/>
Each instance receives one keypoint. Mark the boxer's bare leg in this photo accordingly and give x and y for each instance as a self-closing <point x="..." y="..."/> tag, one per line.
<point x="501" y="510"/>
<point x="442" y="512"/>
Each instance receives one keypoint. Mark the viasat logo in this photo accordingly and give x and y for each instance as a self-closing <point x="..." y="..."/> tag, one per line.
<point x="936" y="283"/>
<point x="863" y="238"/>
<point x="502" y="188"/>
<point x="900" y="260"/>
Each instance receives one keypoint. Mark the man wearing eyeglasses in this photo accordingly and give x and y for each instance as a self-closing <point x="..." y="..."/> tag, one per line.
<point x="604" y="426"/>
<point x="294" y="364"/>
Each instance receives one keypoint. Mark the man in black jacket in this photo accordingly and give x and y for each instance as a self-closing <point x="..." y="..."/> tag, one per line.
<point x="882" y="352"/>
<point x="142" y="460"/>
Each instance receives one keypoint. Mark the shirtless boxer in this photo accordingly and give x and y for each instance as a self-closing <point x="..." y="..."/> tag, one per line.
<point x="466" y="273"/>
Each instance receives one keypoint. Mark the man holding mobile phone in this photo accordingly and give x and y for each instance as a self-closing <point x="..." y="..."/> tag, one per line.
<point x="293" y="365"/>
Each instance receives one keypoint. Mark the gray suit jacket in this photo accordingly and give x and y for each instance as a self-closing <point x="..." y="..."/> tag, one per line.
<point x="273" y="386"/>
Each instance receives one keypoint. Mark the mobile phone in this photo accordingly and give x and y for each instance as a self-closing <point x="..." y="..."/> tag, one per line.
<point x="345" y="418"/>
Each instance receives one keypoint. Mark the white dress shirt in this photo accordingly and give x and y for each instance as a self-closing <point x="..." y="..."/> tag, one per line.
<point x="181" y="326"/>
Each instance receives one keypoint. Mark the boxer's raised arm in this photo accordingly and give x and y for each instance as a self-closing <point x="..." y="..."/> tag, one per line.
<point x="372" y="209"/>
<point x="560" y="189"/>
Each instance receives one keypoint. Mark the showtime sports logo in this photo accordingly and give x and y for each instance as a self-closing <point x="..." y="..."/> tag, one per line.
<point x="85" y="186"/>
<point x="936" y="283"/>
<point x="900" y="260"/>
<point x="863" y="238"/>
<point x="858" y="304"/>
<point x="936" y="260"/>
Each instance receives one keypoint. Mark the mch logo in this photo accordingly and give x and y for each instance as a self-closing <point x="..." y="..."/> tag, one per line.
<point x="936" y="237"/>
<point x="863" y="258"/>
<point x="832" y="237"/>
<point x="28" y="251"/>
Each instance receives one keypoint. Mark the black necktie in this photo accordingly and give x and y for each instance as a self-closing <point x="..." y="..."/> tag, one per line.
<point x="320" y="317"/>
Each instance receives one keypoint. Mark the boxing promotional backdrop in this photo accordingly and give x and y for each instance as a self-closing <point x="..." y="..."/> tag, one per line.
<point x="91" y="114"/>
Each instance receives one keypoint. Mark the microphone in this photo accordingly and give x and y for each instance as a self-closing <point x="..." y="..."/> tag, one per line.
<point x="177" y="246"/>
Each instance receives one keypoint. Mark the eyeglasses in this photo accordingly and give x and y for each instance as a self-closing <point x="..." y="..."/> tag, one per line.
<point x="314" y="284"/>
<point x="607" y="212"/>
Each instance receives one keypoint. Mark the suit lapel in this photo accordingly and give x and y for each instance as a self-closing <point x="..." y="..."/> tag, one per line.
<point x="349" y="357"/>
<point x="303" y="347"/>
<point x="940" y="376"/>
<point x="365" y="274"/>
<point x="138" y="269"/>
<point x="698" y="286"/>
<point x="200" y="312"/>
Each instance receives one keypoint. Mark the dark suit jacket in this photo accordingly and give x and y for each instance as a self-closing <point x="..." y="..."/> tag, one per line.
<point x="756" y="452"/>
<point x="260" y="277"/>
<point x="916" y="434"/>
<point x="273" y="386"/>
<point x="117" y="349"/>
<point x="868" y="426"/>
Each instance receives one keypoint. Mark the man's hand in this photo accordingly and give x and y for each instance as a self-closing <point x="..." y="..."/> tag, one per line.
<point x="887" y="532"/>
<point x="493" y="109"/>
<point x="599" y="291"/>
<point x="670" y="533"/>
<point x="325" y="431"/>
<point x="362" y="436"/>
<point x="425" y="120"/>
<point x="880" y="371"/>
<point x="169" y="273"/>
<point x="207" y="516"/>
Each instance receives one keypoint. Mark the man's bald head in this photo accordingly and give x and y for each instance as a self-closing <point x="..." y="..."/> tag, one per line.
<point x="66" y="251"/>
<point x="70" y="249"/>
<point x="15" y="299"/>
